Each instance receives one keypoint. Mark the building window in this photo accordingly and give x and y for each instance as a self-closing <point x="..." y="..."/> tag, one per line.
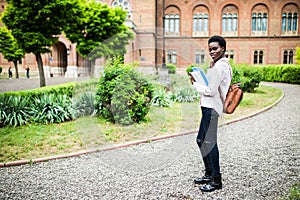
<point x="172" y="23"/>
<point x="288" y="56"/>
<point x="200" y="57"/>
<point x="258" y="57"/>
<point x="230" y="54"/>
<point x="200" y="23"/>
<point x="259" y="22"/>
<point x="172" y="57"/>
<point x="124" y="4"/>
<point x="230" y="20"/>
<point x="289" y="22"/>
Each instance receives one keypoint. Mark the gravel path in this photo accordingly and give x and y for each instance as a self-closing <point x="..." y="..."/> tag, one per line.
<point x="259" y="160"/>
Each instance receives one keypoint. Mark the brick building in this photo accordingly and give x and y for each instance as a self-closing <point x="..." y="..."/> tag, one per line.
<point x="176" y="31"/>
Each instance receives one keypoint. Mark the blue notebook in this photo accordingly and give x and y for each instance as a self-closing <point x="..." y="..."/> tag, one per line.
<point x="199" y="76"/>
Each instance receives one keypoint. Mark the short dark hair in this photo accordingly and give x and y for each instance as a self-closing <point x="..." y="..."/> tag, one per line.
<point x="219" y="39"/>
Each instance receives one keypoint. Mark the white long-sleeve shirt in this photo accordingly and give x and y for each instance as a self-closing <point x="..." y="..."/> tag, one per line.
<point x="219" y="76"/>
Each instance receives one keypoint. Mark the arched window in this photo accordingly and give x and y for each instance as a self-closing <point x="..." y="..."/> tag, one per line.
<point x="259" y="20"/>
<point x="172" y="21"/>
<point x="255" y="57"/>
<point x="264" y="22"/>
<point x="261" y="56"/>
<point x="195" y="23"/>
<point x="205" y="28"/>
<point x="234" y="24"/>
<point x="229" y="54"/>
<point x="124" y="4"/>
<point x="283" y="22"/>
<point x="285" y="57"/>
<point x="177" y="23"/>
<point x="230" y="20"/>
<point x="224" y="19"/>
<point x="258" y="57"/>
<point x="288" y="56"/>
<point x="289" y="21"/>
<point x="254" y="22"/>
<point x="200" y="21"/>
<point x="167" y="23"/>
<point x="295" y="22"/>
<point x="291" y="57"/>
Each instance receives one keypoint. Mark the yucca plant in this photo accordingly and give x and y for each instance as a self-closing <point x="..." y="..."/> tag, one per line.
<point x="52" y="109"/>
<point x="2" y="111"/>
<point x="14" y="110"/>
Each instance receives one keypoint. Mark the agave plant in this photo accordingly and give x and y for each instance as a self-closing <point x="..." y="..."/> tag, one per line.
<point x="52" y="109"/>
<point x="14" y="110"/>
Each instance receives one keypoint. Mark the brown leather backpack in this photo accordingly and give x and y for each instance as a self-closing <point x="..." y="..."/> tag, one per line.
<point x="233" y="98"/>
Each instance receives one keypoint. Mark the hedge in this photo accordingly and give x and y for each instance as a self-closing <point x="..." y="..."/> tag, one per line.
<point x="275" y="73"/>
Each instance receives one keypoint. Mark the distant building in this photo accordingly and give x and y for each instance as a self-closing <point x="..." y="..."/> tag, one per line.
<point x="176" y="31"/>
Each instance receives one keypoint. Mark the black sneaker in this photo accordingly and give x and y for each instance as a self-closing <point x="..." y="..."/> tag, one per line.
<point x="204" y="179"/>
<point x="215" y="184"/>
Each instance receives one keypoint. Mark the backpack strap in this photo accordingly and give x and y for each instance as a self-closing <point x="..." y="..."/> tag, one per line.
<point x="223" y="60"/>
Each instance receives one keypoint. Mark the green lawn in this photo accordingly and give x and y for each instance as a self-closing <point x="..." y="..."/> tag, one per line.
<point x="35" y="140"/>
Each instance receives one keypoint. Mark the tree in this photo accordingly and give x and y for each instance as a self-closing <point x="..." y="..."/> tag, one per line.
<point x="10" y="49"/>
<point x="36" y="24"/>
<point x="100" y="33"/>
<point x="298" y="55"/>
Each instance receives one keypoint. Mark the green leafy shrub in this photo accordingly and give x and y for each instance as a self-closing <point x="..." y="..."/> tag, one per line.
<point x="297" y="56"/>
<point x="171" y="68"/>
<point x="83" y="104"/>
<point x="162" y="98"/>
<point x="250" y="80"/>
<point x="123" y="95"/>
<point x="186" y="94"/>
<point x="282" y="73"/>
<point x="250" y="77"/>
<point x="189" y="68"/>
<point x="14" y="110"/>
<point x="52" y="109"/>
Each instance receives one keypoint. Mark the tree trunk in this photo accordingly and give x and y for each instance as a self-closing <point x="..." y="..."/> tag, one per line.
<point x="39" y="61"/>
<point x="16" y="68"/>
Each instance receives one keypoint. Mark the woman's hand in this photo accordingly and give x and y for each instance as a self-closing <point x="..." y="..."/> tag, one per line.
<point x="192" y="79"/>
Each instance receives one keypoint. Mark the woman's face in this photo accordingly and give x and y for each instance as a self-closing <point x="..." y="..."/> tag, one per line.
<point x="215" y="51"/>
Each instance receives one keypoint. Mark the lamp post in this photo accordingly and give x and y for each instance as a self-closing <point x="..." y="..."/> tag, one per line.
<point x="163" y="36"/>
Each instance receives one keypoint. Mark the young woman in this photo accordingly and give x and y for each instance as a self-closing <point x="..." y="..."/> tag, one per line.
<point x="212" y="102"/>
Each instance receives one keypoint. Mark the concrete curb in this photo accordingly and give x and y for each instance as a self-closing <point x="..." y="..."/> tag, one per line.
<point x="79" y="153"/>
